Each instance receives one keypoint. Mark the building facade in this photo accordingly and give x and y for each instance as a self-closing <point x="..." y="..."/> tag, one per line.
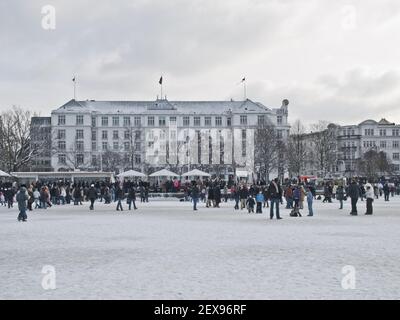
<point x="41" y="135"/>
<point x="355" y="140"/>
<point x="350" y="144"/>
<point x="217" y="136"/>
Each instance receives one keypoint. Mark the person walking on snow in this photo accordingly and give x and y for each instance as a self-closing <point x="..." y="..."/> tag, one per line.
<point x="369" y="194"/>
<point x="354" y="194"/>
<point x="310" y="199"/>
<point x="92" y="196"/>
<point x="22" y="198"/>
<point x="260" y="200"/>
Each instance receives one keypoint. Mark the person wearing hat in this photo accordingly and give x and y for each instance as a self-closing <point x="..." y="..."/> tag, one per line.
<point x="92" y="196"/>
<point x="22" y="198"/>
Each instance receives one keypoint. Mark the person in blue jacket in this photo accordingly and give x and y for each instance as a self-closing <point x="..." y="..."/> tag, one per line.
<point x="260" y="200"/>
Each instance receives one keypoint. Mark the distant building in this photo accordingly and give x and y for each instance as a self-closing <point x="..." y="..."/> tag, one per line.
<point x="41" y="144"/>
<point x="214" y="135"/>
<point x="355" y="140"/>
<point x="352" y="142"/>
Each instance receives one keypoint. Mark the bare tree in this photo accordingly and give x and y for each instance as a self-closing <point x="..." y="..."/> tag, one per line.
<point x="15" y="136"/>
<point x="268" y="150"/>
<point x="323" y="138"/>
<point x="375" y="164"/>
<point x="296" y="149"/>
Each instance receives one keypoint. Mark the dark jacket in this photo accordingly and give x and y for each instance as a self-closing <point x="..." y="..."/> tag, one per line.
<point x="274" y="192"/>
<point x="354" y="191"/>
<point x="92" y="194"/>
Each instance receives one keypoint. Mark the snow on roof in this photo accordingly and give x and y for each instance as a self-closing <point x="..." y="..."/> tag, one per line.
<point x="138" y="107"/>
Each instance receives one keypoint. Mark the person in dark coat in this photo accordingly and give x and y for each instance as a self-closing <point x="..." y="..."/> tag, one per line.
<point x="250" y="202"/>
<point x="132" y="198"/>
<point x="119" y="195"/>
<point x="354" y="194"/>
<point x="217" y="195"/>
<point x="275" y="194"/>
<point x="22" y="198"/>
<point x="194" y="194"/>
<point x="340" y="196"/>
<point x="92" y="196"/>
<point x="386" y="191"/>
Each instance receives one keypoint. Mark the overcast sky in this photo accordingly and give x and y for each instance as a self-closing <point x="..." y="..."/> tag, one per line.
<point x="334" y="60"/>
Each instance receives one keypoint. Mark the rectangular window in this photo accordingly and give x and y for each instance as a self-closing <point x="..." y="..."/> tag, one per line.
<point x="137" y="146"/>
<point x="127" y="121"/>
<point x="61" y="120"/>
<point x="396" y="132"/>
<point x="207" y="121"/>
<point x="138" y="121"/>
<point x="79" y="159"/>
<point x="104" y="134"/>
<point x="396" y="156"/>
<point x="94" y="121"/>
<point x="126" y="146"/>
<point x="279" y="120"/>
<point x="104" y="121"/>
<point x="382" y="132"/>
<point x="79" y="134"/>
<point x="115" y="135"/>
<point x="261" y="120"/>
<point x="218" y="121"/>
<point x="94" y="161"/>
<point x="61" y="145"/>
<point x="229" y="121"/>
<point x="61" y="134"/>
<point x="196" y="121"/>
<point x="396" y="144"/>
<point x="79" y="120"/>
<point x="279" y="134"/>
<point x="138" y="159"/>
<point x="115" y="121"/>
<point x="79" y="146"/>
<point x="150" y="121"/>
<point x="94" y="135"/>
<point x="104" y="146"/>
<point x="382" y="144"/>
<point x="94" y="146"/>
<point x="172" y="121"/>
<point x="186" y="121"/>
<point x="62" y="159"/>
<point x="115" y="146"/>
<point x="243" y="120"/>
<point x="138" y="135"/>
<point x="127" y="134"/>
<point x="161" y="121"/>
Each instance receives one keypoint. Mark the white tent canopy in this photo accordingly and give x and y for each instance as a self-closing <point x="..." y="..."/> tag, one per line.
<point x="196" y="173"/>
<point x="164" y="173"/>
<point x="242" y="174"/>
<point x="4" y="174"/>
<point x="131" y="173"/>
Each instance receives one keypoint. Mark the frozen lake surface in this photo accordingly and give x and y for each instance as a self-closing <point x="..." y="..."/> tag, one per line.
<point x="165" y="250"/>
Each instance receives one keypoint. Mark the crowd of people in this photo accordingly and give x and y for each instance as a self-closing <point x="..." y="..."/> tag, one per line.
<point x="212" y="192"/>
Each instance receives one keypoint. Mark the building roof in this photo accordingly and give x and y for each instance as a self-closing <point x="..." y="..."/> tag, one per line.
<point x="159" y="106"/>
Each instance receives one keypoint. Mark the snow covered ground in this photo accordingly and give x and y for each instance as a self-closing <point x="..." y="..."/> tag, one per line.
<point x="166" y="251"/>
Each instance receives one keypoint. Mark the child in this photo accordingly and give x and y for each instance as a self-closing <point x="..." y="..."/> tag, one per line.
<point x="250" y="204"/>
<point x="296" y="197"/>
<point x="310" y="199"/>
<point x="260" y="200"/>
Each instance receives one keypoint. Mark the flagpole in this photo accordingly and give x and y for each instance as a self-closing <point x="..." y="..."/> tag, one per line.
<point x="74" y="87"/>
<point x="244" y="90"/>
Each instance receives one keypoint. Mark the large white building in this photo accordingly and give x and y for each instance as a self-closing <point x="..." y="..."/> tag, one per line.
<point x="356" y="140"/>
<point x="213" y="135"/>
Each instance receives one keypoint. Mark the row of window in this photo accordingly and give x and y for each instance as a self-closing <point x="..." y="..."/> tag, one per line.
<point x="95" y="160"/>
<point x="382" y="144"/>
<point x="162" y="121"/>
<point x="371" y="132"/>
<point x="116" y="146"/>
